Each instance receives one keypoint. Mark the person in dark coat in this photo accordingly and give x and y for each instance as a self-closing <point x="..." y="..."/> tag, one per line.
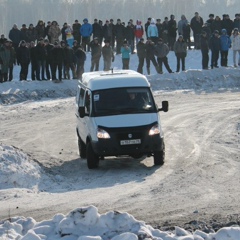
<point x="31" y="34"/>
<point x="141" y="52"/>
<point x="49" y="24"/>
<point x="146" y="25"/>
<point x="108" y="55"/>
<point x="40" y="30"/>
<point x="80" y="58"/>
<point x="23" y="59"/>
<point x="216" y="24"/>
<point x="165" y="30"/>
<point x="76" y="31"/>
<point x="187" y="35"/>
<point x="5" y="55"/>
<point x="150" y="50"/>
<point x="215" y="46"/>
<point x="97" y="30"/>
<point x="159" y="27"/>
<point x="63" y="32"/>
<point x="108" y="32"/>
<point x="57" y="61"/>
<point x="206" y="28"/>
<point x="227" y="24"/>
<point x="204" y="45"/>
<point x="210" y="19"/>
<point x="236" y="21"/>
<point x="96" y="54"/>
<point x="14" y="36"/>
<point x="69" y="59"/>
<point x="41" y="54"/>
<point x="23" y="33"/>
<point x="119" y="31"/>
<point x="33" y="60"/>
<point x="129" y="35"/>
<point x="172" y="32"/>
<point x="180" y="49"/>
<point x="196" y="26"/>
<point x="48" y="66"/>
<point x="12" y="61"/>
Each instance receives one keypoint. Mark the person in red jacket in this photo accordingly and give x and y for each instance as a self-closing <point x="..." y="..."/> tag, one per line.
<point x="138" y="31"/>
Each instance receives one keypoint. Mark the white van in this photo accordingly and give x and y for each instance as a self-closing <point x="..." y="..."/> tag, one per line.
<point x="117" y="116"/>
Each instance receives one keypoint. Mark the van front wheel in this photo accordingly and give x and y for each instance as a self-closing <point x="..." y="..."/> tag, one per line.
<point x="92" y="158"/>
<point x="159" y="156"/>
<point x="82" y="148"/>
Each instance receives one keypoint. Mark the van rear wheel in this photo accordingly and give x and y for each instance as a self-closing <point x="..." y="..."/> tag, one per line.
<point x="159" y="156"/>
<point x="92" y="157"/>
<point x="82" y="148"/>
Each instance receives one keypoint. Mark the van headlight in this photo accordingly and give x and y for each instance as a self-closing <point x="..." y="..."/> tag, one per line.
<point x="101" y="133"/>
<point x="154" y="130"/>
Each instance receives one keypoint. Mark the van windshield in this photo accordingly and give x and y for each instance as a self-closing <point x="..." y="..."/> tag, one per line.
<point x="117" y="101"/>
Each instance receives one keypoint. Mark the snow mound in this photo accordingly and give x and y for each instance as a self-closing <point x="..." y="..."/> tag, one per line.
<point x="87" y="224"/>
<point x="17" y="169"/>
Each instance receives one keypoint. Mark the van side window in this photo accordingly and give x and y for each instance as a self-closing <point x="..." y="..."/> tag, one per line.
<point x="87" y="101"/>
<point x="81" y="97"/>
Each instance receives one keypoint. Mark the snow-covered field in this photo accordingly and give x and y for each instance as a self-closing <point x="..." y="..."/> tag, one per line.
<point x="47" y="192"/>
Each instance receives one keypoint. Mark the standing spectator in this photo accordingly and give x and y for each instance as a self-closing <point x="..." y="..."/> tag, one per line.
<point x="48" y="66"/>
<point x="86" y="32"/>
<point x="186" y="35"/>
<point x="120" y="35"/>
<point x="236" y="21"/>
<point x="2" y="40"/>
<point x="112" y="25"/>
<point x="96" y="30"/>
<point x="150" y="50"/>
<point x="141" y="52"/>
<point x="96" y="54"/>
<point x="31" y="34"/>
<point x="216" y="24"/>
<point x="227" y="24"/>
<point x="108" y="32"/>
<point x="152" y="31"/>
<point x="5" y="58"/>
<point x="12" y="61"/>
<point x="138" y="31"/>
<point x="159" y="27"/>
<point x="40" y="30"/>
<point x="57" y="61"/>
<point x="196" y="26"/>
<point x="172" y="32"/>
<point x="33" y="60"/>
<point x="40" y="55"/>
<point x="129" y="35"/>
<point x="100" y="38"/>
<point x="23" y="59"/>
<point x="210" y="19"/>
<point x="49" y="23"/>
<point x="161" y="51"/>
<point x="215" y="46"/>
<point x="63" y="46"/>
<point x="54" y="32"/>
<point x="23" y="33"/>
<point x="180" y="49"/>
<point x="65" y="25"/>
<point x="182" y="24"/>
<point x="80" y="57"/>
<point x="108" y="55"/>
<point x="76" y="31"/>
<point x="206" y="28"/>
<point x="69" y="62"/>
<point x="146" y="25"/>
<point x="126" y="51"/>
<point x="225" y="45"/>
<point x="204" y="50"/>
<point x="14" y="36"/>
<point x="69" y="35"/>
<point x="235" y="38"/>
<point x="165" y="30"/>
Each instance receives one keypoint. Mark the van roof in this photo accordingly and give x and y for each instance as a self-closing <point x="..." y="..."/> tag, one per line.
<point x="109" y="79"/>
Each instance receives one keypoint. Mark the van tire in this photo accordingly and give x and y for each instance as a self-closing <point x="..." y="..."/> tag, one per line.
<point x="92" y="158"/>
<point x="159" y="156"/>
<point x="82" y="148"/>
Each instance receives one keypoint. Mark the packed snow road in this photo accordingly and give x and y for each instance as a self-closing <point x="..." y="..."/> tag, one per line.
<point x="200" y="177"/>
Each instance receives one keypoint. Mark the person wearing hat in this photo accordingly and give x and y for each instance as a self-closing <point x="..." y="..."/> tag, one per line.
<point x="138" y="31"/>
<point x="14" y="35"/>
<point x="96" y="52"/>
<point x="235" y="38"/>
<point x="204" y="44"/>
<point x="126" y="52"/>
<point x="2" y="39"/>
<point x="108" y="56"/>
<point x="236" y="21"/>
<point x="180" y="49"/>
<point x="86" y="32"/>
<point x="31" y="34"/>
<point x="196" y="26"/>
<point x="225" y="45"/>
<point x="210" y="19"/>
<point x="129" y="35"/>
<point x="97" y="30"/>
<point x="23" y="59"/>
<point x="216" y="24"/>
<point x="108" y="32"/>
<point x="54" y="32"/>
<point x="76" y="31"/>
<point x="215" y="46"/>
<point x="119" y="30"/>
<point x="146" y="25"/>
<point x="227" y="24"/>
<point x="165" y="30"/>
<point x="141" y="53"/>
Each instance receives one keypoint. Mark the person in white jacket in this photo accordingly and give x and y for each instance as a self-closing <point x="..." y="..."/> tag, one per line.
<point x="152" y="31"/>
<point x="236" y="46"/>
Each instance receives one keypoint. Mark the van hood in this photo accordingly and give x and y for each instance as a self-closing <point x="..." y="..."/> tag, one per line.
<point x="128" y="120"/>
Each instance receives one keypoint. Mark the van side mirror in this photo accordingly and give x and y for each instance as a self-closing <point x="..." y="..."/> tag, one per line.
<point x="81" y="111"/>
<point x="164" y="106"/>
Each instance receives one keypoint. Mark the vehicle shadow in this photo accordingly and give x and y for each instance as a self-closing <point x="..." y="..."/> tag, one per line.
<point x="74" y="174"/>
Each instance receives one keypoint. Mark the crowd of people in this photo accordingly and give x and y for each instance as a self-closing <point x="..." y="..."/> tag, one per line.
<point x="56" y="53"/>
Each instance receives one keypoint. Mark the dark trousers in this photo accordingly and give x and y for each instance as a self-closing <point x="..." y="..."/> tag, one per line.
<point x="24" y="71"/>
<point x="164" y="61"/>
<point x="224" y="58"/>
<point x="48" y="71"/>
<point x="94" y="64"/>
<point x="171" y="41"/>
<point x="152" y="59"/>
<point x="125" y="62"/>
<point x="41" y="69"/>
<point x="80" y="69"/>
<point x="10" y="73"/>
<point x="182" y="60"/>
<point x="107" y="64"/>
<point x="214" y="58"/>
<point x="205" y="58"/>
<point x="55" y="67"/>
<point x="73" y="69"/>
<point x="85" y="43"/>
<point x="33" y="70"/>
<point x="119" y="45"/>
<point x="196" y="37"/>
<point x="140" y="64"/>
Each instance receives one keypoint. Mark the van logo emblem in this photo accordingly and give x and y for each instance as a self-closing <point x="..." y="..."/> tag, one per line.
<point x="129" y="135"/>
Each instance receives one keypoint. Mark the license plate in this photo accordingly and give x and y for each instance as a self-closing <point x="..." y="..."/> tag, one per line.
<point x="129" y="142"/>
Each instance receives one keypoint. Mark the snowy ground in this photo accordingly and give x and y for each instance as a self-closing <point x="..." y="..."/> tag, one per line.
<point x="42" y="177"/>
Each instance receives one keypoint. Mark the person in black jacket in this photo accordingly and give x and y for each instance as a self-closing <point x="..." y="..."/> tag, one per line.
<point x="196" y="26"/>
<point x="41" y="55"/>
<point x="14" y="36"/>
<point x="108" y="55"/>
<point x="215" y="46"/>
<point x="48" y="66"/>
<point x="23" y="59"/>
<point x="57" y="61"/>
<point x="119" y="31"/>
<point x="33" y="60"/>
<point x="80" y="58"/>
<point x="204" y="50"/>
<point x="69" y="59"/>
<point x="96" y="54"/>
<point x="129" y="35"/>
<point x="141" y="52"/>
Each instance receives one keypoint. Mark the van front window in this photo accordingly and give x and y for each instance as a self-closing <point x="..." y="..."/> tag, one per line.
<point x="117" y="101"/>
